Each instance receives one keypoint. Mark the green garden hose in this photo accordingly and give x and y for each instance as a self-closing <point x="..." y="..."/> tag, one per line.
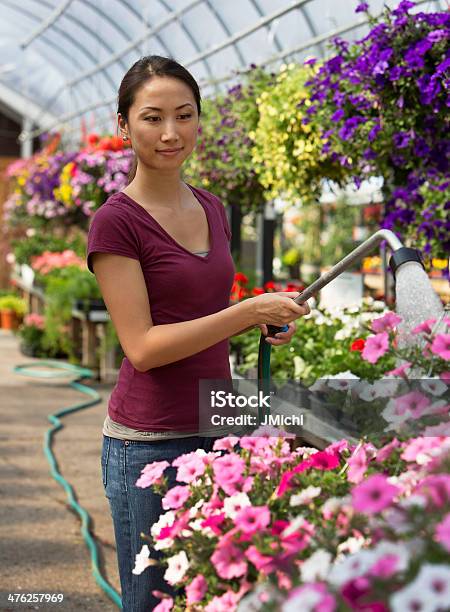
<point x="79" y="373"/>
<point x="264" y="367"/>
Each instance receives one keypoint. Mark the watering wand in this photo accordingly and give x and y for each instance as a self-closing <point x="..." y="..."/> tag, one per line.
<point x="400" y="255"/>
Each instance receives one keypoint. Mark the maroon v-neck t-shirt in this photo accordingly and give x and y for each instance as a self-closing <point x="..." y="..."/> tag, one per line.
<point x="181" y="286"/>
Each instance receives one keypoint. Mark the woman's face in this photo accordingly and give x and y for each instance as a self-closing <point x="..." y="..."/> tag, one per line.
<point x="163" y="116"/>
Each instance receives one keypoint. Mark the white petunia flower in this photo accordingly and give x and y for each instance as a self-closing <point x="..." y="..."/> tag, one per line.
<point x="351" y="545"/>
<point x="307" y="601"/>
<point x="177" y="567"/>
<point x="386" y="387"/>
<point x="411" y="597"/>
<point x="434" y="581"/>
<point x="142" y="561"/>
<point x="305" y="496"/>
<point x="234" y="503"/>
<point x="294" y="526"/>
<point x="316" y="567"/>
<point x="435" y="386"/>
<point x="354" y="565"/>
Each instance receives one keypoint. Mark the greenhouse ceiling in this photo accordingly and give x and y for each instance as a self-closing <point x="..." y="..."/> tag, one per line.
<point x="62" y="60"/>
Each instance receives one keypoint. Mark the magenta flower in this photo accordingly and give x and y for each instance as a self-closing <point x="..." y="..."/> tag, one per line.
<point x="441" y="346"/>
<point x="324" y="461"/>
<point x="195" y="591"/>
<point x="445" y="376"/>
<point x="375" y="347"/>
<point x="285" y="483"/>
<point x="252" y="519"/>
<point x="425" y="327"/>
<point x="442" y="533"/>
<point x="414" y="402"/>
<point x="386" y="323"/>
<point x="151" y="473"/>
<point x="213" y="522"/>
<point x="175" y="497"/>
<point x="229" y="561"/>
<point x="374" y="494"/>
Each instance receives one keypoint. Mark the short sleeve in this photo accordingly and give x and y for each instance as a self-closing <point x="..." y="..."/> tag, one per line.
<point x="111" y="232"/>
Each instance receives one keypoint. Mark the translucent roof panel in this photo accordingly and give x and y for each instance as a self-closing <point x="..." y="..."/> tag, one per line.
<point x="62" y="60"/>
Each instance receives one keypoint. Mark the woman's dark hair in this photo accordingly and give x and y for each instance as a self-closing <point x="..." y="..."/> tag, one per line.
<point x="139" y="73"/>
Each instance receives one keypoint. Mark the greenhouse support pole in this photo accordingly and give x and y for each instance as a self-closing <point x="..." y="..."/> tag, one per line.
<point x="268" y="236"/>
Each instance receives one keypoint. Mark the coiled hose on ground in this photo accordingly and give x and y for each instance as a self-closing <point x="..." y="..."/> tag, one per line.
<point x="28" y="369"/>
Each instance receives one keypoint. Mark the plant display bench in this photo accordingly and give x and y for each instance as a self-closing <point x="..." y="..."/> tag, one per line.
<point x="88" y="330"/>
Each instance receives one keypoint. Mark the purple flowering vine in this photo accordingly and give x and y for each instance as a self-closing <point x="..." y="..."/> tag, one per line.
<point x="383" y="107"/>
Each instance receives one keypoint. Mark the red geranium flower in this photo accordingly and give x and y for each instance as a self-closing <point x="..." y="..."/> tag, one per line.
<point x="239" y="277"/>
<point x="358" y="345"/>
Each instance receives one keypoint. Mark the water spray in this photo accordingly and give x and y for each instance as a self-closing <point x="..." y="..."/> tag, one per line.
<point x="401" y="255"/>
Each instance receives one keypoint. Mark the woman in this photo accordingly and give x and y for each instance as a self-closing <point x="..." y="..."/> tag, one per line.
<point x="160" y="252"/>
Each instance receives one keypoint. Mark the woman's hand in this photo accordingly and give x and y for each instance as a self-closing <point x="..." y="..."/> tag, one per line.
<point x="280" y="337"/>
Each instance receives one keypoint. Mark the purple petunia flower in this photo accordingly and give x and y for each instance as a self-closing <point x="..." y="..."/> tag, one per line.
<point x="401" y="139"/>
<point x="362" y="7"/>
<point x="338" y="115"/>
<point x="373" y="132"/>
<point x="350" y="126"/>
<point x="403" y="7"/>
<point x="437" y="35"/>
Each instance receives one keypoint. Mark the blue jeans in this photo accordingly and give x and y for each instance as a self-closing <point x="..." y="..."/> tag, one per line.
<point x="134" y="510"/>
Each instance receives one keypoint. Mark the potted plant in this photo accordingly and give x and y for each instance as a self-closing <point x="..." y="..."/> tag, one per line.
<point x="12" y="309"/>
<point x="31" y="331"/>
<point x="292" y="259"/>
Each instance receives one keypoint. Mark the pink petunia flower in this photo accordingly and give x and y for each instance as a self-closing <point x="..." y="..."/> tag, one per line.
<point x="252" y="519"/>
<point x="414" y="402"/>
<point x="228" y="470"/>
<point x="445" y="376"/>
<point x="441" y="346"/>
<point x="229" y="561"/>
<point x="435" y="487"/>
<point x="195" y="591"/>
<point x="419" y="446"/>
<point x="263" y="563"/>
<point x="358" y="463"/>
<point x="165" y="605"/>
<point x="374" y="494"/>
<point x="223" y="603"/>
<point x="151" y="473"/>
<point x="425" y="327"/>
<point x="376" y="347"/>
<point x="386" y="451"/>
<point x="175" y="497"/>
<point x="386" y="323"/>
<point x="190" y="467"/>
<point x="400" y="371"/>
<point x="442" y="533"/>
<point x="225" y="444"/>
